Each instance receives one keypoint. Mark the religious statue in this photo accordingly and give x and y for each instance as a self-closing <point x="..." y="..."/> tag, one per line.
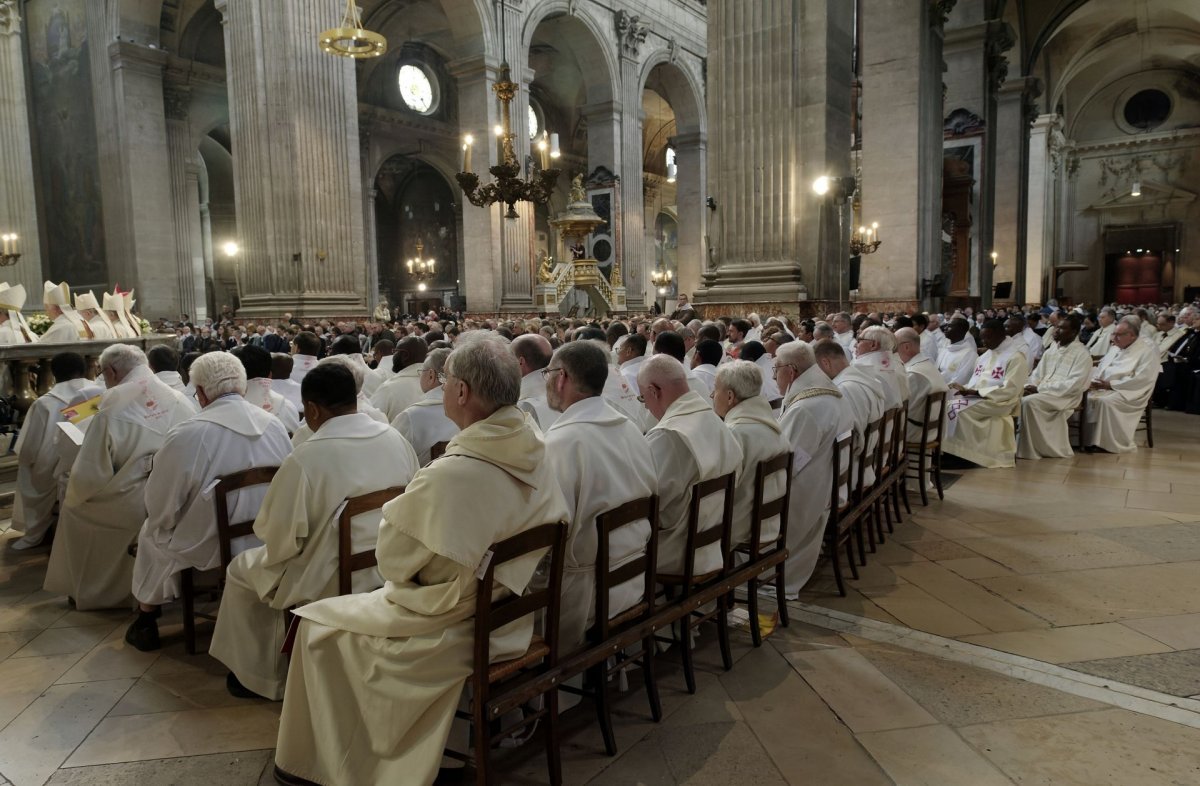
<point x="546" y="269"/>
<point x="577" y="192"/>
<point x="614" y="275"/>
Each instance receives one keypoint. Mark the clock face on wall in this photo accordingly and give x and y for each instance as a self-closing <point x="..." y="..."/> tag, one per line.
<point x="416" y="89"/>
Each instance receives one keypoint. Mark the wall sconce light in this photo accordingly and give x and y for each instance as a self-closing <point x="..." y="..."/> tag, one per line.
<point x="1137" y="189"/>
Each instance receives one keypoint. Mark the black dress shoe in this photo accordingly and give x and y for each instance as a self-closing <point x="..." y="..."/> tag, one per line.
<point x="287" y="779"/>
<point x="143" y="633"/>
<point x="237" y="689"/>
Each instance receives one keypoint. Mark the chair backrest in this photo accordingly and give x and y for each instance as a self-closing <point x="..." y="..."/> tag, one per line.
<point x="872" y="442"/>
<point x="438" y="450"/>
<point x="349" y="560"/>
<point x="492" y="615"/>
<point x="608" y="577"/>
<point x="698" y="538"/>
<point x="887" y="441"/>
<point x="228" y="530"/>
<point x="899" y="437"/>
<point x="761" y="510"/>
<point x="934" y="418"/>
<point x="843" y="452"/>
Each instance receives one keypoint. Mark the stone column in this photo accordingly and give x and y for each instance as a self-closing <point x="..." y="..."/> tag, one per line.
<point x="634" y="241"/>
<point x="18" y="200"/>
<point x="902" y="146"/>
<point x="1011" y="145"/>
<point x="779" y="86"/>
<point x="517" y="251"/>
<point x="206" y="257"/>
<point x="370" y="239"/>
<point x="197" y="281"/>
<point x="293" y="116"/>
<point x="181" y="152"/>
<point x="691" y="152"/>
<point x="1044" y="143"/>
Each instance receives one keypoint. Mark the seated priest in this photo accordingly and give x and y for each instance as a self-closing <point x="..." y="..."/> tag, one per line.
<point x="403" y="388"/>
<point x="1101" y="339"/>
<point x="979" y="416"/>
<point x="957" y="359"/>
<point x="670" y="343"/>
<point x="381" y="352"/>
<point x="532" y="351"/>
<point x="738" y="400"/>
<point x="922" y="377"/>
<point x="164" y="362"/>
<point x="424" y="423"/>
<point x="257" y="362"/>
<point x="588" y="440"/>
<point x="707" y="357"/>
<point x="348" y="455"/>
<point x="358" y="370"/>
<point x="815" y="415"/>
<point x="863" y="393"/>
<point x="229" y="435"/>
<point x="1053" y="393"/>
<point x="756" y="353"/>
<point x="1180" y="363"/>
<point x="348" y="348"/>
<point x="1167" y="334"/>
<point x="282" y="382"/>
<point x="105" y="501"/>
<point x="375" y="678"/>
<point x="874" y="351"/>
<point x="1121" y="386"/>
<point x="690" y="445"/>
<point x="37" y="453"/>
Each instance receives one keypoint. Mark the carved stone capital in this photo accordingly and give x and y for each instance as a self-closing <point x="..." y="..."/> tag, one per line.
<point x="631" y="32"/>
<point x="939" y="12"/>
<point x="10" y="20"/>
<point x="176" y="99"/>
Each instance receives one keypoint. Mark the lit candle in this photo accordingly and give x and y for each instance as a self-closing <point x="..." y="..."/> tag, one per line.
<point x="875" y="230"/>
<point x="410" y="267"/>
<point x="554" y="151"/>
<point x="468" y="141"/>
<point x="7" y="239"/>
<point x="543" y="150"/>
<point x="431" y="266"/>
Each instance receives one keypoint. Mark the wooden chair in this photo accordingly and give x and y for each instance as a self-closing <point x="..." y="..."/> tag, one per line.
<point x="497" y="688"/>
<point x="350" y="561"/>
<point x="226" y="533"/>
<point x="438" y="450"/>
<point x="1147" y="424"/>
<point x="689" y="583"/>
<point x="863" y="495"/>
<point x="607" y="626"/>
<point x="899" y="464"/>
<point x="928" y="449"/>
<point x="1080" y="425"/>
<point x="840" y="525"/>
<point x="755" y="550"/>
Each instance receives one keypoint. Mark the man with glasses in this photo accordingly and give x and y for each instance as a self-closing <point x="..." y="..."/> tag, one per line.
<point x="424" y="423"/>
<point x="1121" y="386"/>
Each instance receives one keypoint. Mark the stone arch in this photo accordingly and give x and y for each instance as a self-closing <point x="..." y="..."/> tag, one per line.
<point x="469" y="23"/>
<point x="684" y="94"/>
<point x="590" y="44"/>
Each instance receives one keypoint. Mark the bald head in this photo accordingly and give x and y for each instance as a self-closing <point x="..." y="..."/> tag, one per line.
<point x="532" y="351"/>
<point x="830" y="357"/>
<point x="661" y="380"/>
<point x="908" y="344"/>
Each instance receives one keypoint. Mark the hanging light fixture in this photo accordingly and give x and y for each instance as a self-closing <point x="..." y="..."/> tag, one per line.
<point x="420" y="268"/>
<point x="865" y="240"/>
<point x="350" y="39"/>
<point x="508" y="187"/>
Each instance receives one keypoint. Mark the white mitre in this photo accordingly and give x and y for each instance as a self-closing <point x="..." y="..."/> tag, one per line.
<point x="12" y="300"/>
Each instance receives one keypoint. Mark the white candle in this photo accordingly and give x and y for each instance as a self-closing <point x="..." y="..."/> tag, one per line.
<point x="554" y="151"/>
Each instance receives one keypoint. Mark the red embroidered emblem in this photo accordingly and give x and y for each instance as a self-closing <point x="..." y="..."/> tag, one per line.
<point x="997" y="373"/>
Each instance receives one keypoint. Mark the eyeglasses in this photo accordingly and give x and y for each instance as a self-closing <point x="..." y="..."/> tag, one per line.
<point x="547" y="371"/>
<point x="775" y="368"/>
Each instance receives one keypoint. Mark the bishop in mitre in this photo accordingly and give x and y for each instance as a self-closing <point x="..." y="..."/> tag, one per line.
<point x="979" y="418"/>
<point x="13" y="327"/>
<point x="37" y="451"/>
<point x="815" y="415"/>
<point x="114" y="308"/>
<point x="105" y="501"/>
<point x="88" y="308"/>
<point x="1121" y="386"/>
<point x="67" y="327"/>
<point x="180" y="531"/>
<point x="348" y="455"/>
<point x="1053" y="393"/>
<point x="375" y="678"/>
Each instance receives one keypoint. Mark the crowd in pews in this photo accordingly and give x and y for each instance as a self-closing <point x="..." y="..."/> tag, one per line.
<point x="428" y="446"/>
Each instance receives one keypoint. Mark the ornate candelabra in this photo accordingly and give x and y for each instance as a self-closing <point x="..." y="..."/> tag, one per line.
<point x="865" y="240"/>
<point x="350" y="39"/>
<point x="11" y="253"/>
<point x="420" y="268"/>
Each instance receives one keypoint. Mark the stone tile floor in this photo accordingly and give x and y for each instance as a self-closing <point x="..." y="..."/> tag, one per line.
<point x="1089" y="562"/>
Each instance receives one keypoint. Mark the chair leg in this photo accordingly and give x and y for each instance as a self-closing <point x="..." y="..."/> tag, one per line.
<point x="894" y="497"/>
<point x="850" y="556"/>
<point x="880" y="512"/>
<point x="603" y="708"/>
<point x="903" y="492"/>
<point x="483" y="746"/>
<point x="937" y="473"/>
<point x="923" y="478"/>
<point x="648" y="677"/>
<point x="723" y="633"/>
<point x="752" y="611"/>
<point x="553" y="746"/>
<point x="859" y="538"/>
<point x="685" y="648"/>
<point x="187" y="592"/>
<point x="781" y="595"/>
<point x="835" y="557"/>
<point x="1149" y="427"/>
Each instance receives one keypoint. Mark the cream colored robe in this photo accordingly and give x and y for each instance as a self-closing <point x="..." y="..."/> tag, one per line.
<point x="586" y="447"/>
<point x="864" y="395"/>
<point x="1100" y="341"/>
<point x="290" y="390"/>
<point x="1113" y="415"/>
<point x="424" y="424"/>
<point x="378" y="376"/>
<point x="690" y="445"/>
<point x="174" y="381"/>
<point x="624" y="398"/>
<point x="400" y="392"/>
<point x="706" y="373"/>
<point x="956" y="361"/>
<point x="10" y="333"/>
<point x="375" y="678"/>
<point x="349" y="456"/>
<point x="754" y="424"/>
<point x="1061" y="378"/>
<point x="815" y="416"/>
<point x="100" y="328"/>
<point x="105" y="505"/>
<point x="980" y="429"/>
<point x="37" y="457"/>
<point x="260" y="394"/>
<point x="923" y="380"/>
<point x="365" y="407"/>
<point x="180" y="531"/>
<point x="1163" y="341"/>
<point x="929" y="345"/>
<point x="533" y="400"/>
<point x="120" y="327"/>
<point x="63" y="330"/>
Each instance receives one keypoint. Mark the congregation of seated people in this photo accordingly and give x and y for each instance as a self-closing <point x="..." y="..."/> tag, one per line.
<point x="463" y="433"/>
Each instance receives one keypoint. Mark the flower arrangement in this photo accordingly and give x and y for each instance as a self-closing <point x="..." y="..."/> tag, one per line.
<point x="39" y="323"/>
<point x="145" y="327"/>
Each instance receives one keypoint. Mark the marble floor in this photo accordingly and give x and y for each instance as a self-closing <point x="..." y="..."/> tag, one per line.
<point x="1083" y="568"/>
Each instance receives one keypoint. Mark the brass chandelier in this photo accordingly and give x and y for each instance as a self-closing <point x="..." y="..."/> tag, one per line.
<point x="508" y="187"/>
<point x="350" y="39"/>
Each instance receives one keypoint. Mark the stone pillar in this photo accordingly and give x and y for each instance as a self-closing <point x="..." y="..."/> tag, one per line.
<point x="691" y="152"/>
<point x="517" y="251"/>
<point x="293" y="115"/>
<point x="198" y="282"/>
<point x="635" y="245"/>
<point x="206" y="258"/>
<point x="902" y="146"/>
<point x="779" y="86"/>
<point x="1011" y="146"/>
<point x="1044" y="145"/>
<point x="370" y="238"/>
<point x="18" y="200"/>
<point x="183" y="185"/>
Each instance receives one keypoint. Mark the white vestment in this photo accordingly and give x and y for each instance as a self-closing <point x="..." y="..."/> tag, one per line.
<point x="174" y="381"/>
<point x="260" y="394"/>
<point x="690" y="445"/>
<point x="754" y="425"/>
<point x="290" y="390"/>
<point x="11" y="333"/>
<point x="400" y="392"/>
<point x="864" y="398"/>
<point x="378" y="376"/>
<point x="815" y="416"/>
<point x="1033" y="343"/>
<point x="590" y="448"/>
<point x="706" y="373"/>
<point x="923" y="379"/>
<point x="63" y="330"/>
<point x="629" y="370"/>
<point x="620" y="395"/>
<point x="930" y="346"/>
<point x="1113" y="415"/>
<point x="769" y="389"/>
<point x="956" y="361"/>
<point x="301" y="365"/>
<point x="120" y="328"/>
<point x="37" y="457"/>
<point x="890" y="372"/>
<point x="424" y="424"/>
<point x="100" y="328"/>
<point x="1163" y="341"/>
<point x="533" y="400"/>
<point x="349" y="456"/>
<point x="846" y="341"/>
<point x="105" y="505"/>
<point x="1100" y="341"/>
<point x="375" y="678"/>
<point x="229" y="435"/>
<point x="980" y="428"/>
<point x="1061" y="377"/>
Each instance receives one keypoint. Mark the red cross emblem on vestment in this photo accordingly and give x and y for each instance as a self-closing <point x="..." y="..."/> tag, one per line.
<point x="998" y="373"/>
